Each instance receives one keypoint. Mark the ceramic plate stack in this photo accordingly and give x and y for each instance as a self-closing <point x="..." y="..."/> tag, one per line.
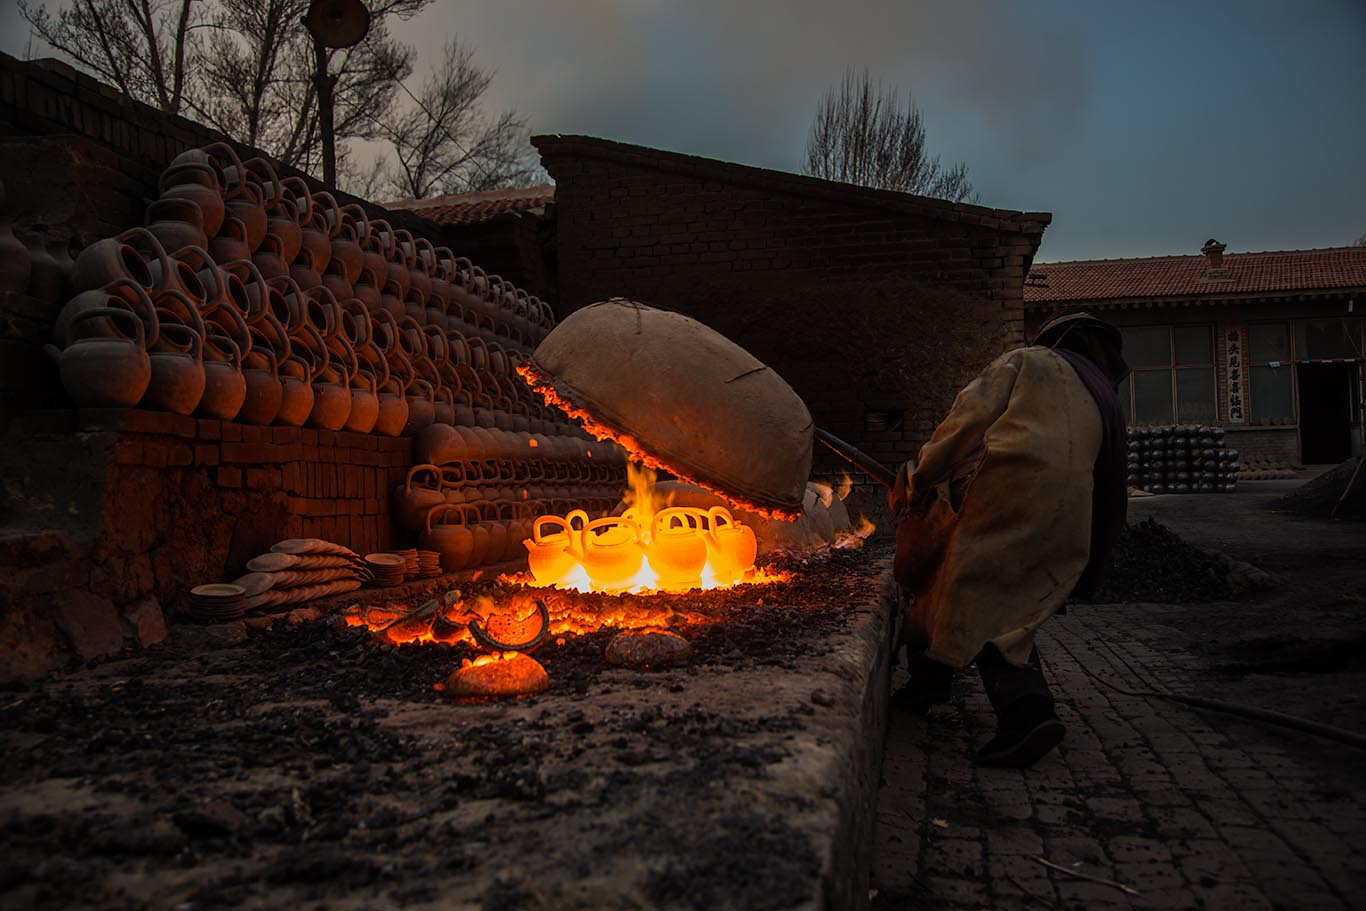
<point x="428" y="564"/>
<point x="218" y="602"/>
<point x="389" y="569"/>
<point x="411" y="567"/>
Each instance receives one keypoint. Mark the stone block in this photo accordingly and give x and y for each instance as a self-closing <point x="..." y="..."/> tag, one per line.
<point x="229" y="477"/>
<point x="90" y="623"/>
<point x="144" y="622"/>
<point x="206" y="454"/>
<point x="210" y="429"/>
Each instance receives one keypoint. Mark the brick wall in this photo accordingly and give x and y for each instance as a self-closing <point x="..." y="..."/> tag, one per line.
<point x="863" y="300"/>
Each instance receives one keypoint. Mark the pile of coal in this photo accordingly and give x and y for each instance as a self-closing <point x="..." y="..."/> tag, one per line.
<point x="1181" y="458"/>
<point x="1150" y="562"/>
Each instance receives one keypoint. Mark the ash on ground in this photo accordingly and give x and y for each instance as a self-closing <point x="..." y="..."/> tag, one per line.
<point x="1320" y="495"/>
<point x="1151" y="563"/>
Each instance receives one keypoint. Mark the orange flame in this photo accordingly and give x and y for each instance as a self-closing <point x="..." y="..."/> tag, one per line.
<point x="543" y="385"/>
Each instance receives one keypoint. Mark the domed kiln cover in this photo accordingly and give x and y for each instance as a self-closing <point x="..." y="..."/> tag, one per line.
<point x="681" y="397"/>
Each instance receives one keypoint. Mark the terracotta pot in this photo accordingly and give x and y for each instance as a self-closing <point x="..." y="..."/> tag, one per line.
<point x="393" y="410"/>
<point x="122" y="293"/>
<point x="198" y="183"/>
<point x="335" y="281"/>
<point x="249" y="207"/>
<point x="374" y="253"/>
<point x="454" y="540"/>
<point x="120" y="257"/>
<point x="103" y="372"/>
<point x="282" y="222"/>
<point x="366" y="291"/>
<point x="346" y="251"/>
<point x="261" y="405"/>
<point x="269" y="258"/>
<point x="364" y="403"/>
<point x="225" y="386"/>
<point x="317" y="233"/>
<point x="182" y="278"/>
<point x="230" y="243"/>
<point x="305" y="270"/>
<point x="421" y="407"/>
<point x="177" y="382"/>
<point x="419" y="492"/>
<point x="296" y="392"/>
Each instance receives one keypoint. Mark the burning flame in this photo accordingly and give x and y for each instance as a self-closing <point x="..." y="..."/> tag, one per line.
<point x="543" y="385"/>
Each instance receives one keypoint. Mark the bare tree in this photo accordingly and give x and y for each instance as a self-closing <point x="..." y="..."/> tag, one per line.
<point x="244" y="67"/>
<point x="445" y="142"/>
<point x="138" y="45"/>
<point x="862" y="134"/>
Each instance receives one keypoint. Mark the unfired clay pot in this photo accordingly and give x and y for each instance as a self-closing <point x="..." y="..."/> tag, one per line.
<point x="177" y="382"/>
<point x="225" y="386"/>
<point x="103" y="372"/>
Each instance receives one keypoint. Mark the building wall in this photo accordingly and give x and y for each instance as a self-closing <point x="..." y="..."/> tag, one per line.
<point x="876" y="316"/>
<point x="1262" y="442"/>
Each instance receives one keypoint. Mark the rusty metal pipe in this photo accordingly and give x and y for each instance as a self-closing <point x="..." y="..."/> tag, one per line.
<point x="858" y="458"/>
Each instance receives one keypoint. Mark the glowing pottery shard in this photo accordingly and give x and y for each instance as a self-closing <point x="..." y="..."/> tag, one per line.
<point x="680" y="396"/>
<point x="505" y="674"/>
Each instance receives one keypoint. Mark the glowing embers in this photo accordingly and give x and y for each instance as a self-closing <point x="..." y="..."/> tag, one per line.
<point x="518" y="623"/>
<point x="497" y="674"/>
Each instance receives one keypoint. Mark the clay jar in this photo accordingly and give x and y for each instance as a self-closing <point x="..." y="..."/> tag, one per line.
<point x="261" y="403"/>
<point x="249" y="208"/>
<point x="177" y="382"/>
<point x="282" y="222"/>
<point x="393" y="409"/>
<point x="120" y="257"/>
<point x="346" y="251"/>
<point x="124" y="293"/>
<point x="364" y="402"/>
<point x="104" y="372"/>
<point x="421" y="406"/>
<point x="413" y="498"/>
<point x="296" y="391"/>
<point x="225" y="387"/>
<point x="305" y="270"/>
<point x="269" y="259"/>
<point x="197" y="183"/>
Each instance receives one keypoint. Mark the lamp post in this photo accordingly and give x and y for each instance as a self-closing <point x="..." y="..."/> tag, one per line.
<point x="333" y="24"/>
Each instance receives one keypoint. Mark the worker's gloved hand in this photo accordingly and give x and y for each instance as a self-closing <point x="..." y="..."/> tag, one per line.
<point x="899" y="497"/>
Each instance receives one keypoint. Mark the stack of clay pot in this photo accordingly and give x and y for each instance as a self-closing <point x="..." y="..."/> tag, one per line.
<point x="1185" y="458"/>
<point x="476" y="490"/>
<point x="246" y="297"/>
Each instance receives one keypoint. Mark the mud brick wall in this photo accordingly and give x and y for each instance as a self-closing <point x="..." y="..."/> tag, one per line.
<point x="877" y="307"/>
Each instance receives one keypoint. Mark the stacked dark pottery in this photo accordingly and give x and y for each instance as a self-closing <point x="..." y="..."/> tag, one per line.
<point x="1181" y="458"/>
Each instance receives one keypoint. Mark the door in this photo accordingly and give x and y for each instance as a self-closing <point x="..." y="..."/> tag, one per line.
<point x="1325" y="392"/>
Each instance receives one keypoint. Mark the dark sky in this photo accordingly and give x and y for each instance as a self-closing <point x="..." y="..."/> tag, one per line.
<point x="1145" y="128"/>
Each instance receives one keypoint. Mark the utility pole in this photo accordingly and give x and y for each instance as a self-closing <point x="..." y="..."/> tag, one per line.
<point x="333" y="24"/>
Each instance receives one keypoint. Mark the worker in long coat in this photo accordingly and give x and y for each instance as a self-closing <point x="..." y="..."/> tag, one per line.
<point x="1010" y="507"/>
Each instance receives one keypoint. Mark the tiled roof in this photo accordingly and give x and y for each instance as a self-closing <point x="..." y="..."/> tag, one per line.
<point x="1282" y="273"/>
<point x="469" y="208"/>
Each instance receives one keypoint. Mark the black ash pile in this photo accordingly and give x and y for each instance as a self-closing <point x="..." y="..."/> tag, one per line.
<point x="1152" y="563"/>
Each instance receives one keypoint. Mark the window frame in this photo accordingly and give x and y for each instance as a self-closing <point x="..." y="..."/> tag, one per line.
<point x="1288" y="364"/>
<point x="1172" y="367"/>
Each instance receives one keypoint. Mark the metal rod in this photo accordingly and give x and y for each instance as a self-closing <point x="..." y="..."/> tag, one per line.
<point x="861" y="460"/>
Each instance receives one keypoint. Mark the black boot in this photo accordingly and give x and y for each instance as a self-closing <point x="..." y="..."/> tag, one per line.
<point x="1025" y="733"/>
<point x="931" y="684"/>
<point x="1027" y="727"/>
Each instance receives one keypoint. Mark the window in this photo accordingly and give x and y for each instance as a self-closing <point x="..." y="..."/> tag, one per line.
<point x="1173" y="378"/>
<point x="1327" y="339"/>
<point x="1271" y="374"/>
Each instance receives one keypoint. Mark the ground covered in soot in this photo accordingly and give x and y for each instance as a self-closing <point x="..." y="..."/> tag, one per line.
<point x="316" y="766"/>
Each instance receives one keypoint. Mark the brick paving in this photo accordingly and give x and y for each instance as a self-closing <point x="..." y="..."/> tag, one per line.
<point x="1189" y="809"/>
